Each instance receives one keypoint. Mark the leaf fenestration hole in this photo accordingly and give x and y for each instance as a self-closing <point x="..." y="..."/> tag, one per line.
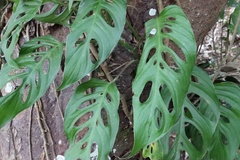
<point x="161" y="66"/>
<point x="194" y="79"/>
<point x="169" y="60"/>
<point x="157" y="117"/>
<point x="81" y="134"/>
<point x="104" y="117"/>
<point x="20" y="15"/>
<point x="187" y="113"/>
<point x="83" y="119"/>
<point x="107" y="17"/>
<point x="223" y="139"/>
<point x="94" y="147"/>
<point x="37" y="58"/>
<point x="108" y="97"/>
<point x="177" y="50"/>
<point x="45" y="66"/>
<point x="9" y="41"/>
<point x="90" y="13"/>
<point x="155" y="62"/>
<point x="171" y="19"/>
<point x="86" y="103"/>
<point x="151" y="149"/>
<point x="151" y="53"/>
<point x="80" y="39"/>
<point x="225" y="119"/>
<point x="170" y="106"/>
<point x="194" y="135"/>
<point x="84" y="145"/>
<point x="17" y="71"/>
<point x="60" y="10"/>
<point x="94" y="51"/>
<point x="194" y="98"/>
<point x="36" y="79"/>
<point x="25" y="93"/>
<point x="172" y="138"/>
<point x="145" y="92"/>
<point x="166" y="30"/>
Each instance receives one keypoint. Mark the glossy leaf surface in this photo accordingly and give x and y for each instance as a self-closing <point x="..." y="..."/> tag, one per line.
<point x="227" y="136"/>
<point x="58" y="14"/>
<point x="153" y="71"/>
<point x="96" y="114"/>
<point x="37" y="71"/>
<point x="197" y="124"/>
<point x="98" y="22"/>
<point x="25" y="11"/>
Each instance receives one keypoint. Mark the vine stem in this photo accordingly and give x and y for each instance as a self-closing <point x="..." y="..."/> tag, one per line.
<point x="178" y="3"/>
<point x="160" y="6"/>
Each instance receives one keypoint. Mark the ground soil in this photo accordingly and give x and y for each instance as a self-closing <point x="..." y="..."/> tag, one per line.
<point x="37" y="133"/>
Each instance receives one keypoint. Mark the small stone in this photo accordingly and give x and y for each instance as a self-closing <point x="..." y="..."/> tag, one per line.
<point x="153" y="31"/>
<point x="152" y="12"/>
<point x="60" y="157"/>
<point x="9" y="87"/>
<point x="60" y="142"/>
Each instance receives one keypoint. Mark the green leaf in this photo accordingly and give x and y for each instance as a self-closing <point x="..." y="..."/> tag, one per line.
<point x="37" y="71"/>
<point x="171" y="24"/>
<point x="232" y="3"/>
<point x="101" y="108"/>
<point x="227" y="137"/>
<point x="206" y="129"/>
<point x="235" y="16"/>
<point x="199" y="118"/>
<point x="70" y="3"/>
<point x="198" y="121"/>
<point x="53" y="16"/>
<point x="25" y="11"/>
<point x="98" y="22"/>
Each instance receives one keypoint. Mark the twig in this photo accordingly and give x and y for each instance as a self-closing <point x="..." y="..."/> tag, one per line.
<point x="44" y="129"/>
<point x="30" y="134"/>
<point x="125" y="109"/>
<point x="110" y="79"/>
<point x="13" y="140"/>
<point x="178" y="3"/>
<point x="229" y="50"/>
<point x="57" y="101"/>
<point x="160" y="6"/>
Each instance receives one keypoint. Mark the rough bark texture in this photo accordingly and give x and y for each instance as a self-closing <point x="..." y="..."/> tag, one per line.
<point x="201" y="14"/>
<point x="37" y="133"/>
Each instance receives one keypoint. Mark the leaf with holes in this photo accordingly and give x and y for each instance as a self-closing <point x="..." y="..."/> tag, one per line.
<point x="153" y="72"/>
<point x="37" y="71"/>
<point x="227" y="137"/>
<point x="197" y="123"/>
<point x="25" y="11"/>
<point x="97" y="27"/>
<point x="206" y="128"/>
<point x="92" y="119"/>
<point x="58" y="14"/>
